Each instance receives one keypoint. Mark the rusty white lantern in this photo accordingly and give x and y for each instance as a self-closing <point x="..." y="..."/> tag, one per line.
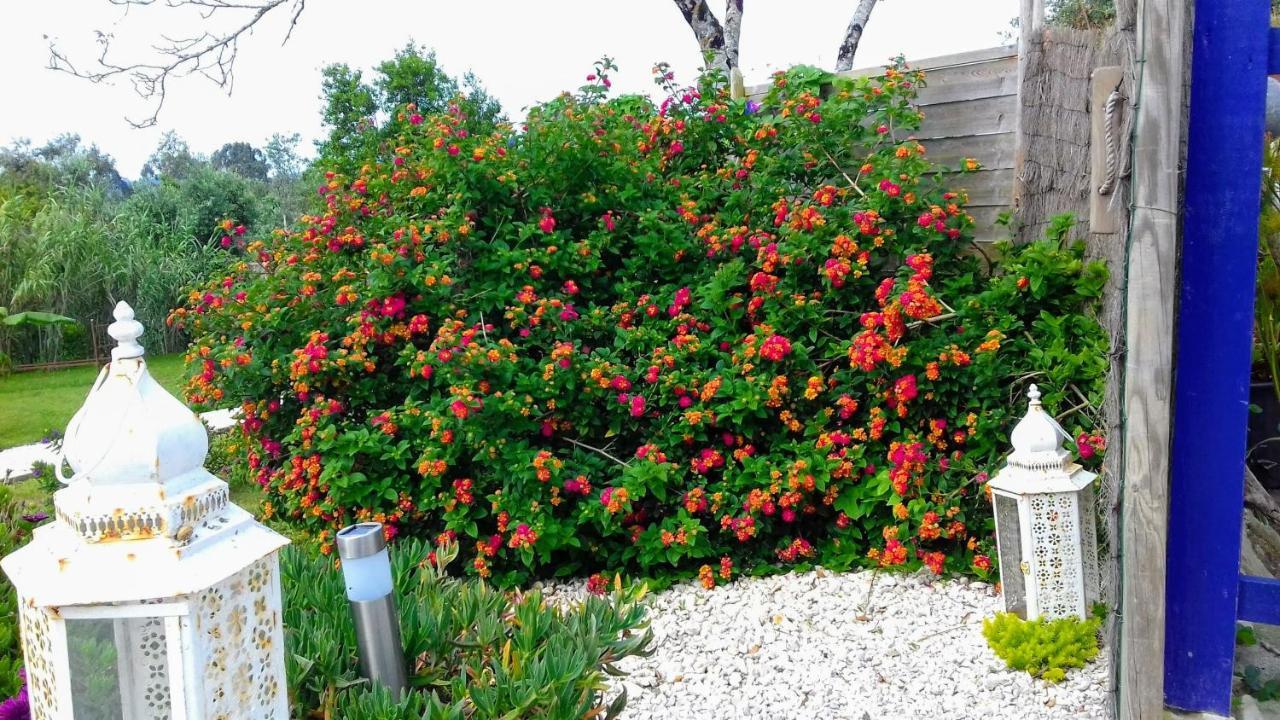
<point x="150" y="595"/>
<point x="1046" y="534"/>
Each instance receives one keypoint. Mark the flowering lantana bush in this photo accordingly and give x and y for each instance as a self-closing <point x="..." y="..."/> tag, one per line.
<point x="704" y="336"/>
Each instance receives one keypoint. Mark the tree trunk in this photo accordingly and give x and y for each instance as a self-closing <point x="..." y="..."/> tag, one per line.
<point x="853" y="35"/>
<point x="713" y="38"/>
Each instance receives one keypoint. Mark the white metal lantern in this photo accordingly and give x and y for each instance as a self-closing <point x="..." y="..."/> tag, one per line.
<point x="150" y="595"/>
<point x="1046" y="534"/>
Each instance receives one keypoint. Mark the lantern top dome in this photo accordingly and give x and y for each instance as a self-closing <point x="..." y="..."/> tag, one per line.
<point x="1037" y="437"/>
<point x="139" y="517"/>
<point x="130" y="429"/>
<point x="1039" y="463"/>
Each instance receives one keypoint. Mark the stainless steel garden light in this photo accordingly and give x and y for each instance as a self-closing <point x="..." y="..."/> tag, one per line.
<point x="366" y="567"/>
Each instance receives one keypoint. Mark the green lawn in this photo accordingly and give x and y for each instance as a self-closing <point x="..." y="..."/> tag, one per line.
<point x="33" y="402"/>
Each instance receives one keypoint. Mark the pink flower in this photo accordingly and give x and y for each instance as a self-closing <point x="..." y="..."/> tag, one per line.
<point x="637" y="405"/>
<point x="775" y="347"/>
<point x="415" y="119"/>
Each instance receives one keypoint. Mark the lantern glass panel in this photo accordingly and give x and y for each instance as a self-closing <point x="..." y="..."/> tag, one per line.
<point x="1009" y="545"/>
<point x="95" y="674"/>
<point x="119" y="668"/>
<point x="1089" y="546"/>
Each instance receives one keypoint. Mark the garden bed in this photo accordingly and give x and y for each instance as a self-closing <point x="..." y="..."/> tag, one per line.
<point x="838" y="645"/>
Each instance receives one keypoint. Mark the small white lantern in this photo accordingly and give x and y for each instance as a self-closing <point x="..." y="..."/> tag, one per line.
<point x="150" y="595"/>
<point x="1046" y="534"/>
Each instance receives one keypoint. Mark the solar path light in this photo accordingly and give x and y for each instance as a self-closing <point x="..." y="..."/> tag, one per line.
<point x="366" y="567"/>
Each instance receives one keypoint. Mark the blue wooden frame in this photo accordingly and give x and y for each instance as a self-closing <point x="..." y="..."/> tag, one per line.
<point x="1233" y="49"/>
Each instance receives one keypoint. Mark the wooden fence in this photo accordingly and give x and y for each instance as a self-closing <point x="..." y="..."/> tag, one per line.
<point x="970" y="105"/>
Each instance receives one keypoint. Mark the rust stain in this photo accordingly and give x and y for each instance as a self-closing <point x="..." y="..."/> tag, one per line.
<point x="62" y="564"/>
<point x="130" y="557"/>
<point x="189" y="501"/>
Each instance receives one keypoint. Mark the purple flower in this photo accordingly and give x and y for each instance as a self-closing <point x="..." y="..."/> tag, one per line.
<point x="752" y="108"/>
<point x="17" y="707"/>
<point x="35" y="518"/>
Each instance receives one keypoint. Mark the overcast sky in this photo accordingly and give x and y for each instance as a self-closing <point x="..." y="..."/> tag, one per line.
<point x="523" y="51"/>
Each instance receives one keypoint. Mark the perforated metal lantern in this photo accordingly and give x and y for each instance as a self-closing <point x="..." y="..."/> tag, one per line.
<point x="150" y="595"/>
<point x="1045" y="528"/>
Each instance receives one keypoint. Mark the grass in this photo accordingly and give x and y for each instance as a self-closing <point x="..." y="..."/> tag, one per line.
<point x="31" y="403"/>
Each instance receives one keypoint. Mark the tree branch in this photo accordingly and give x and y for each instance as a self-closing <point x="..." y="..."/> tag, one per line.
<point x="732" y="31"/>
<point x="710" y="34"/>
<point x="853" y="35"/>
<point x="211" y="54"/>
<point x="594" y="449"/>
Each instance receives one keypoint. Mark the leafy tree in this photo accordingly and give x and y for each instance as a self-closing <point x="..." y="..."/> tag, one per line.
<point x="1080" y="14"/>
<point x="356" y="111"/>
<point x="242" y="159"/>
<point x="172" y="158"/>
<point x="282" y="156"/>
<point x="349" y="107"/>
<point x="61" y="162"/>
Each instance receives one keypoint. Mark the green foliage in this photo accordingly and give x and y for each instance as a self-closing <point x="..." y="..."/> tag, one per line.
<point x="1263" y="689"/>
<point x="17" y="519"/>
<point x="649" y="338"/>
<point x="1245" y="636"/>
<point x="1266" y="306"/>
<point x="73" y="243"/>
<point x="475" y="652"/>
<point x="1044" y="648"/>
<point x="355" y="111"/>
<point x="243" y="159"/>
<point x="1080" y="14"/>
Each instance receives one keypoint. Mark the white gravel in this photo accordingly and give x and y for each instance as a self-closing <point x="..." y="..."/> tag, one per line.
<point x="829" y="645"/>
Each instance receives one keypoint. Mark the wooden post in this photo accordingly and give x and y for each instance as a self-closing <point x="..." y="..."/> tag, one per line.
<point x="1148" y="385"/>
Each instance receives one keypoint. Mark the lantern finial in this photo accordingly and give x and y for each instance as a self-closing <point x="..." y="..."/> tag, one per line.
<point x="1033" y="392"/>
<point x="125" y="331"/>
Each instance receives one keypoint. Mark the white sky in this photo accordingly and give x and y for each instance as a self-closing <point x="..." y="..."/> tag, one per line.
<point x="523" y="52"/>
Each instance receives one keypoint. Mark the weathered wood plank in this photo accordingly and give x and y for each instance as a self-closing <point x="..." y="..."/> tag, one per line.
<point x="995" y="152"/>
<point x="972" y="117"/>
<point x="936" y="64"/>
<point x="970" y="82"/>
<point x="1151" y="295"/>
<point x="985" y="187"/>
<point x="985" y="230"/>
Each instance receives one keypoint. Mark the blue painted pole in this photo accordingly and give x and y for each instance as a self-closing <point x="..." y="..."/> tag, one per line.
<point x="1215" y="329"/>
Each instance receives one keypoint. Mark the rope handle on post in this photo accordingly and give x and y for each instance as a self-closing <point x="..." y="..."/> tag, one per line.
<point x="1109" y="181"/>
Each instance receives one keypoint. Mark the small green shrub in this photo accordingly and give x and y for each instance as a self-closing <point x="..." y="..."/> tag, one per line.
<point x="1044" y="648"/>
<point x="1262" y="689"/>
<point x="474" y="651"/>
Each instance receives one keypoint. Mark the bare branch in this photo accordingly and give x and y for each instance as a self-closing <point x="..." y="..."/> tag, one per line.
<point x="594" y="449"/>
<point x="210" y="54"/>
<point x="709" y="33"/>
<point x="853" y="35"/>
